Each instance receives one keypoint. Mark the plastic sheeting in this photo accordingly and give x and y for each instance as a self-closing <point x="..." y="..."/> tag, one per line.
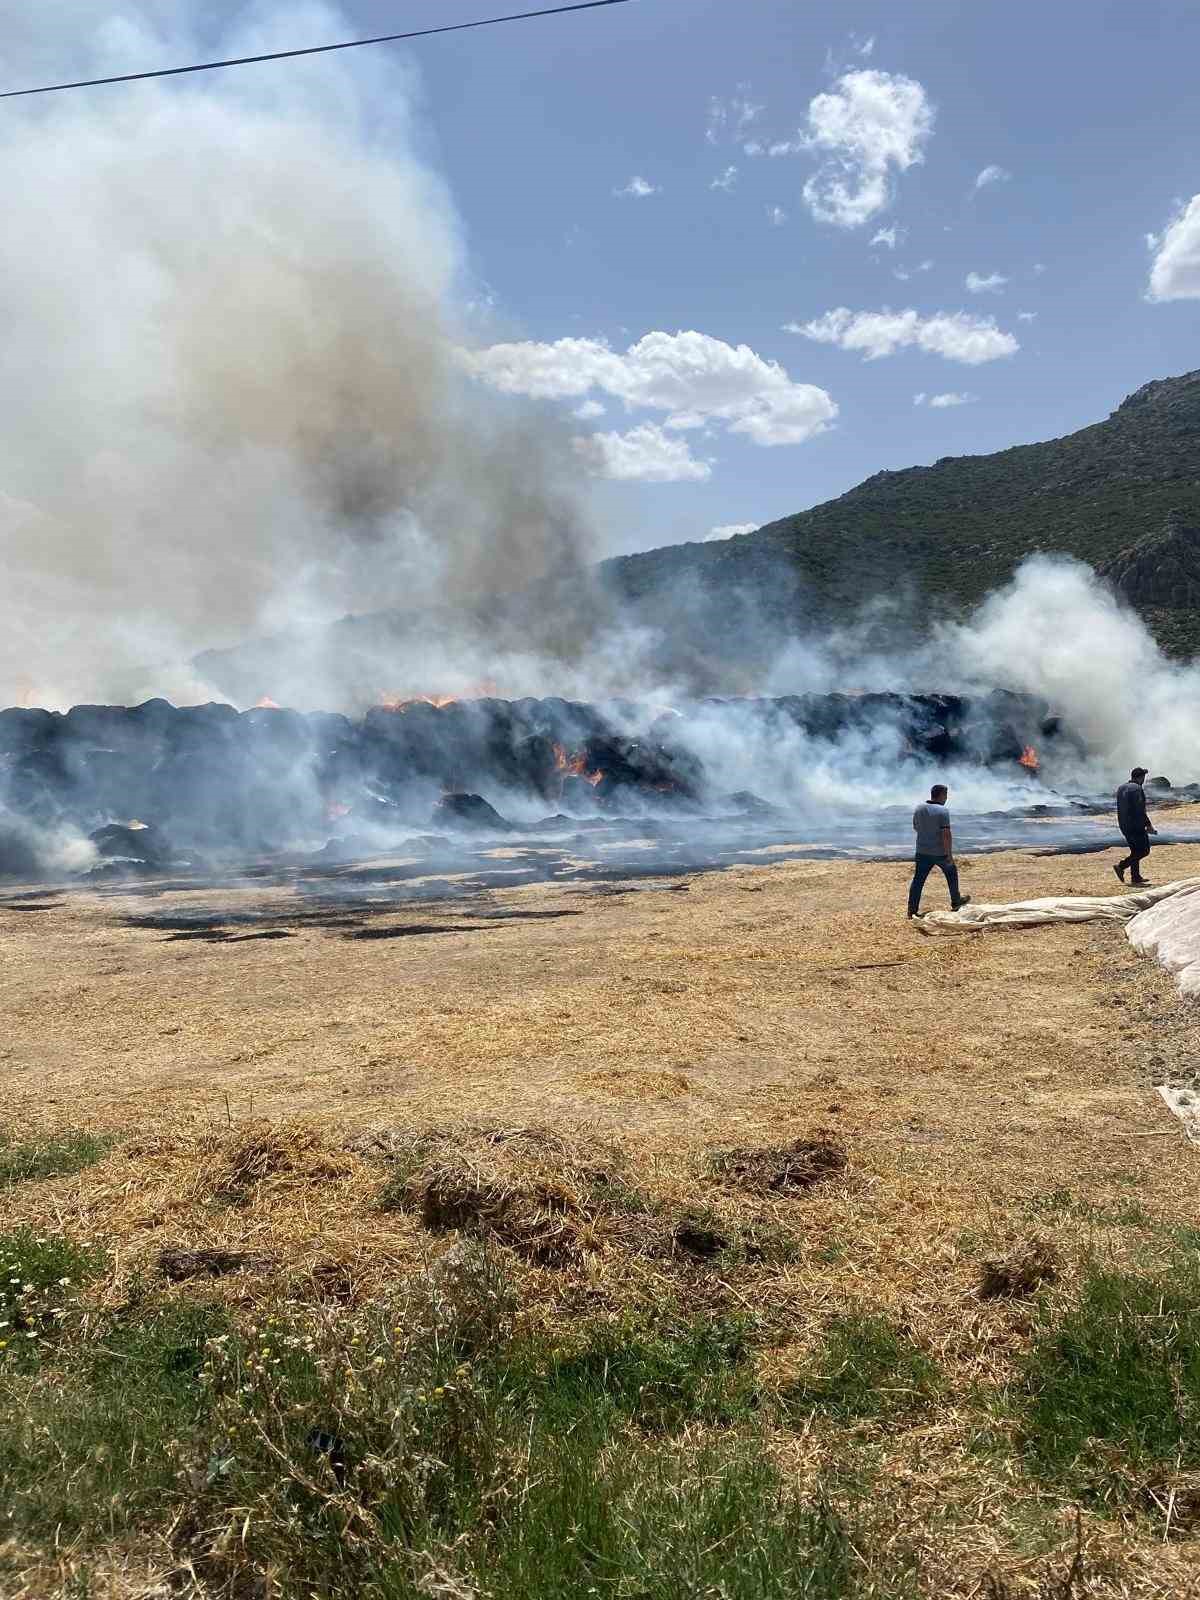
<point x="1163" y="922"/>
<point x="1056" y="908"/>
<point x="1170" y="932"/>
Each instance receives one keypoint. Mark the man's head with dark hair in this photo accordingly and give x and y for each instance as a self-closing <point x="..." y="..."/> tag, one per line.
<point x="938" y="793"/>
<point x="1138" y="774"/>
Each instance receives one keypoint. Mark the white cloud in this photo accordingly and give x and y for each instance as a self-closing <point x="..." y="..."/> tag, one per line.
<point x="729" y="530"/>
<point x="645" y="454"/>
<point x="992" y="175"/>
<point x="588" y="410"/>
<point x="871" y="123"/>
<point x="638" y="189"/>
<point x="1038" y="268"/>
<point x="1026" y="316"/>
<point x="776" y="216"/>
<point x="905" y="273"/>
<point x="754" y="147"/>
<point x="920" y="399"/>
<point x="954" y="335"/>
<point x="732" y="116"/>
<point x="941" y="401"/>
<point x="863" y="47"/>
<point x="992" y="284"/>
<point x="886" y="236"/>
<point x="726" y="180"/>
<point x="693" y="377"/>
<point x="1175" y="270"/>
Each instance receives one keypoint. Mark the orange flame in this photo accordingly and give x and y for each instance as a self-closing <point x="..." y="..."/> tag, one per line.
<point x="267" y="704"/>
<point x="401" y="702"/>
<point x="394" y="700"/>
<point x="575" y="766"/>
<point x="1029" y="758"/>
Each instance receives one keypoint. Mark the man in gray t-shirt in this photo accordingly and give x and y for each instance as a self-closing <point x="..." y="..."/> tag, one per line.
<point x="935" y="848"/>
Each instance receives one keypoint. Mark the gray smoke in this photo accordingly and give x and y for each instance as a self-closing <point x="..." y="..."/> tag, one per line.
<point x="231" y="399"/>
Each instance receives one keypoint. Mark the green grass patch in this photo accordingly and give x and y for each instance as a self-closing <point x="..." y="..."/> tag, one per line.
<point x="869" y="1368"/>
<point x="40" y="1278"/>
<point x="1120" y="1365"/>
<point x="57" y="1156"/>
<point x="429" y="1447"/>
<point x="96" y="1447"/>
<point x="661" y="1375"/>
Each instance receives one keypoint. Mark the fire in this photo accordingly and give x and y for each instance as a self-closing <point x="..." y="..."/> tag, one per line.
<point x="267" y="704"/>
<point x="401" y="702"/>
<point x="1029" y="758"/>
<point x="575" y="766"/>
<point x="393" y="700"/>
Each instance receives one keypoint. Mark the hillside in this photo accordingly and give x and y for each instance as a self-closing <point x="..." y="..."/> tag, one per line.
<point x="1120" y="495"/>
<point x="959" y="528"/>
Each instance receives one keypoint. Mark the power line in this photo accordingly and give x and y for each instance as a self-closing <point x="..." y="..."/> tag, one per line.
<point x="313" y="50"/>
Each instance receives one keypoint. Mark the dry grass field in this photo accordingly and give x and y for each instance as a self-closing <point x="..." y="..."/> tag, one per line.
<point x="921" y="1189"/>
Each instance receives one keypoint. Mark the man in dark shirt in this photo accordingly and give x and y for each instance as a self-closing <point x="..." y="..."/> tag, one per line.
<point x="1135" y="824"/>
<point x="935" y="848"/>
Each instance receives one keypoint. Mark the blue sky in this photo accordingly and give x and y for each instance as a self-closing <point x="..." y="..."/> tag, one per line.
<point x="1090" y="111"/>
<point x="614" y="180"/>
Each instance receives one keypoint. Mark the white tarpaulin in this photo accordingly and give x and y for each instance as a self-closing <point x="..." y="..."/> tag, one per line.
<point x="1170" y="932"/>
<point x="1130" y="908"/>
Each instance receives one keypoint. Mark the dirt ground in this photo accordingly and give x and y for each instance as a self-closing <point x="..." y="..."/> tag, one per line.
<point x="984" y="1089"/>
<point x="663" y="1012"/>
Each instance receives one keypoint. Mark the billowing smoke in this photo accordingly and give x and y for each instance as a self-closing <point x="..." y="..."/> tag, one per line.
<point x="1058" y="631"/>
<point x="232" y="404"/>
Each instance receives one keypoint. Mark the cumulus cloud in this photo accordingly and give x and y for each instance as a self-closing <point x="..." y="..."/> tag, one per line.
<point x="776" y="216"/>
<point x="725" y="180"/>
<point x="1026" y="316"/>
<point x="940" y="402"/>
<point x="977" y="283"/>
<point x="589" y="410"/>
<point x="729" y="530"/>
<point x="887" y="237"/>
<point x="754" y="147"/>
<point x="991" y="175"/>
<point x="645" y="454"/>
<point x="870" y="125"/>
<point x="695" y="378"/>
<point x="954" y="335"/>
<point x="638" y="189"/>
<point x="1175" y="270"/>
<point x="863" y="47"/>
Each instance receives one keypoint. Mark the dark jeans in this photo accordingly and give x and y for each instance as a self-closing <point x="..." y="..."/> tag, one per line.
<point x="924" y="866"/>
<point x="1139" y="849"/>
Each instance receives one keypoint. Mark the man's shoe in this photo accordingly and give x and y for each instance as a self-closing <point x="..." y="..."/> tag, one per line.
<point x="1120" y="872"/>
<point x="1141" y="883"/>
<point x="959" y="904"/>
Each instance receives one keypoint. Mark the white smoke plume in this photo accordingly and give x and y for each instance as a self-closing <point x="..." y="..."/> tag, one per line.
<point x="1059" y="631"/>
<point x="231" y="400"/>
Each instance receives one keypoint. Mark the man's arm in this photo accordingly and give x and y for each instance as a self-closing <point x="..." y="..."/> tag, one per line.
<point x="947" y="843"/>
<point x="1150" y="828"/>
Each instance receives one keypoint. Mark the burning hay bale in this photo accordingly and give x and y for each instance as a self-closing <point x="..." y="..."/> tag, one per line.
<point x="790" y="1169"/>
<point x="1019" y="1274"/>
<point x="550" y="1201"/>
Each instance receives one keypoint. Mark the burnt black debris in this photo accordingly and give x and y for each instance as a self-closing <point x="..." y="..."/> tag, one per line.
<point x="160" y="787"/>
